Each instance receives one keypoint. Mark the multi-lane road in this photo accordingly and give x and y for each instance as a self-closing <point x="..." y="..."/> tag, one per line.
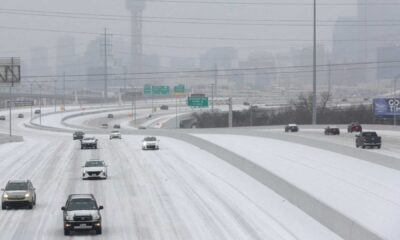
<point x="190" y="191"/>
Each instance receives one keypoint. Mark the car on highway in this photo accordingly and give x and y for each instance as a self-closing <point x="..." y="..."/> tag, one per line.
<point x="2" y="117"/>
<point x="104" y="125"/>
<point x="18" y="193"/>
<point x="37" y="111"/>
<point x="78" y="135"/>
<point x="150" y="143"/>
<point x="141" y="127"/>
<point x="115" y="134"/>
<point x="117" y="126"/>
<point x="246" y="103"/>
<point x="291" y="127"/>
<point x="354" y="127"/>
<point x="20" y="115"/>
<point x="332" y="130"/>
<point x="368" y="139"/>
<point x="110" y="115"/>
<point x="89" y="142"/>
<point x="164" y="107"/>
<point x="81" y="213"/>
<point x="94" y="169"/>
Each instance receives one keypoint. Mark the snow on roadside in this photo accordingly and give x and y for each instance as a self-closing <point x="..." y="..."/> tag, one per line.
<point x="366" y="192"/>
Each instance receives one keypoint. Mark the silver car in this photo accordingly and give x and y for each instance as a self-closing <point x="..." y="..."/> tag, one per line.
<point x="18" y="192"/>
<point x="94" y="169"/>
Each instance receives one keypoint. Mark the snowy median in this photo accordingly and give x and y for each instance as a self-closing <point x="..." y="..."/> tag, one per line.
<point x="364" y="194"/>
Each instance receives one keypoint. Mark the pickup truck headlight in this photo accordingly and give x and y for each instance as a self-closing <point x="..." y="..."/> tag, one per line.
<point x="96" y="217"/>
<point x="69" y="218"/>
<point x="27" y="195"/>
<point x="5" y="195"/>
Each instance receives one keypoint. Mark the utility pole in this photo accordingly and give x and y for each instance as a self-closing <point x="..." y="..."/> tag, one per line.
<point x="394" y="100"/>
<point x="216" y="79"/>
<point x="63" y="99"/>
<point x="40" y="104"/>
<point x="105" y="67"/>
<point x="11" y="98"/>
<point x="32" y="101"/>
<point x="212" y="97"/>
<point x="134" y="107"/>
<point x="55" y="96"/>
<point x="314" y="98"/>
<point x="230" y="123"/>
<point x="176" y="111"/>
<point x="329" y="78"/>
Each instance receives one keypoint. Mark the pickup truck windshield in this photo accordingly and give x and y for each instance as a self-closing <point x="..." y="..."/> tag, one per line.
<point x="82" y="204"/>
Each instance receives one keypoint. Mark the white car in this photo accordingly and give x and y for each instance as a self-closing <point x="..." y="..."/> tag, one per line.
<point x="150" y="143"/>
<point x="94" y="169"/>
<point x="115" y="134"/>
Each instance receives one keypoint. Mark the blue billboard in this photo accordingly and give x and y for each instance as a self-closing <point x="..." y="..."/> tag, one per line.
<point x="386" y="107"/>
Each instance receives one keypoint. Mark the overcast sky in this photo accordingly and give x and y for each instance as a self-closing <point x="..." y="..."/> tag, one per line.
<point x="19" y="42"/>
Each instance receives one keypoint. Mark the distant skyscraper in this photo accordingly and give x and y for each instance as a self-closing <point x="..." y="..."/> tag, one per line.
<point x="372" y="29"/>
<point x="136" y="7"/>
<point x="39" y="64"/>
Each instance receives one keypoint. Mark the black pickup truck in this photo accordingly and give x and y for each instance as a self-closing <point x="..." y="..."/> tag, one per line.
<point x="368" y="139"/>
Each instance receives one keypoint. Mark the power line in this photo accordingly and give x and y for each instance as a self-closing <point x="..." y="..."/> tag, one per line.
<point x="213" y="70"/>
<point x="211" y="75"/>
<point x="273" y="3"/>
<point x="196" y="37"/>
<point x="206" y="21"/>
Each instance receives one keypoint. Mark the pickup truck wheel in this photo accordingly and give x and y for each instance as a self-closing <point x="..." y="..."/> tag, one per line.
<point x="30" y="205"/>
<point x="98" y="230"/>
<point x="379" y="146"/>
<point x="66" y="232"/>
<point x="3" y="207"/>
<point x="362" y="147"/>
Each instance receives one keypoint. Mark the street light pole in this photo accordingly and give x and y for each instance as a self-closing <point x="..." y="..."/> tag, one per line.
<point x="55" y="96"/>
<point x="32" y="101"/>
<point x="394" y="100"/>
<point x="314" y="98"/>
<point x="40" y="104"/>
<point x="11" y="100"/>
<point x="212" y="97"/>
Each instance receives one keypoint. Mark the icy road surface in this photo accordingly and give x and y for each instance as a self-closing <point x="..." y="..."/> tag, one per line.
<point x="178" y="192"/>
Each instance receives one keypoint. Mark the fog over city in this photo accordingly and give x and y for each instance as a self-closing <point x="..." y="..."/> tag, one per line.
<point x="200" y="119"/>
<point x="269" y="44"/>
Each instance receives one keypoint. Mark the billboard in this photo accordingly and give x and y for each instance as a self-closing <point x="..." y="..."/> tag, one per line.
<point x="10" y="70"/>
<point x="386" y="107"/>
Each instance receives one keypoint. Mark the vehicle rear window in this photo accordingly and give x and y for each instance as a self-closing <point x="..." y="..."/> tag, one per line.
<point x="82" y="204"/>
<point x="370" y="134"/>
<point x="17" y="186"/>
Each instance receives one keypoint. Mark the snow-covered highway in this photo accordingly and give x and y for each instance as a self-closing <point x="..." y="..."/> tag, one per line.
<point x="185" y="191"/>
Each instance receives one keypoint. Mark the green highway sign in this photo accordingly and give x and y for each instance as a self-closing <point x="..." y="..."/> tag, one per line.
<point x="179" y="88"/>
<point x="160" y="90"/>
<point x="197" y="101"/>
<point x="147" y="89"/>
